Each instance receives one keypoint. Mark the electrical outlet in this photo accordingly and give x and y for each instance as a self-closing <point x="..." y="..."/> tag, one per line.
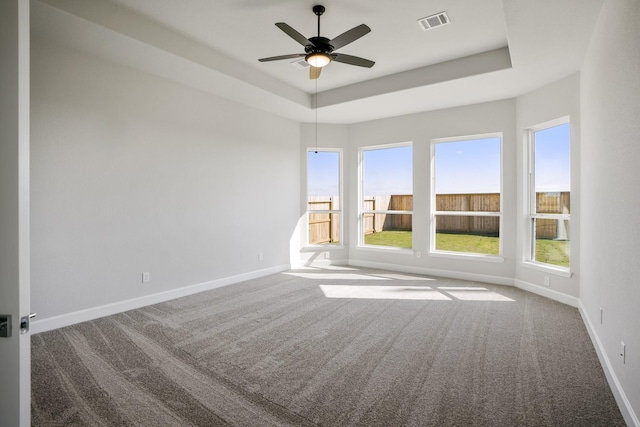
<point x="601" y="315"/>
<point x="260" y="256"/>
<point x="623" y="352"/>
<point x="146" y="277"/>
<point x="547" y="281"/>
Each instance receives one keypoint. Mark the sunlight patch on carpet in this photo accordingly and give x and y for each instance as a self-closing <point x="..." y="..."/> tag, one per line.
<point x="412" y="293"/>
<point x="383" y="292"/>
<point x="336" y="276"/>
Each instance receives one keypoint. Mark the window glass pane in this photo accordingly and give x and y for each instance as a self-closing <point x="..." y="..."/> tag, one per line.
<point x="552" y="172"/>
<point x="323" y="194"/>
<point x="323" y="179"/>
<point x="482" y="202"/>
<point x="472" y="234"/>
<point x="390" y="202"/>
<point x="388" y="230"/>
<point x="467" y="179"/>
<point x="468" y="167"/>
<point x="387" y="183"/>
<point x="551" y="243"/>
<point x="324" y="228"/>
<point x="387" y="171"/>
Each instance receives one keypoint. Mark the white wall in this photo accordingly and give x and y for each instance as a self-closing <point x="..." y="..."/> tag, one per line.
<point x="132" y="173"/>
<point x="610" y="205"/>
<point x="559" y="99"/>
<point x="420" y="129"/>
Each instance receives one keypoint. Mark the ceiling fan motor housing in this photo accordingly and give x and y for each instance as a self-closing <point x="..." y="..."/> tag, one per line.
<point x="318" y="9"/>
<point x="320" y="44"/>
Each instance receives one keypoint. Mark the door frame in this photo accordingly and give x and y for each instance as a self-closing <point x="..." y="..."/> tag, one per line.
<point x="15" y="350"/>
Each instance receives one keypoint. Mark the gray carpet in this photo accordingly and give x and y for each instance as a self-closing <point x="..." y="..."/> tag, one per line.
<point x="335" y="347"/>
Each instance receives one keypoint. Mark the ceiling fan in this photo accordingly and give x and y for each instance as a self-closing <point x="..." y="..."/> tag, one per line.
<point x="319" y="51"/>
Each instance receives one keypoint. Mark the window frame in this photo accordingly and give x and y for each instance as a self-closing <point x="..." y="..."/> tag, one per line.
<point x="530" y="208"/>
<point x="339" y="211"/>
<point x="361" y="209"/>
<point x="434" y="213"/>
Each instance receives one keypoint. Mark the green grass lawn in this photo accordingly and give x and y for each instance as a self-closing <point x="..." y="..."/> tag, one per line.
<point x="554" y="252"/>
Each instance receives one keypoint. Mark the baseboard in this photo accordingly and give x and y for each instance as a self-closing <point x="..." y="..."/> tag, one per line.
<point x="55" y="322"/>
<point x="547" y="293"/>
<point x="629" y="415"/>
<point x="496" y="280"/>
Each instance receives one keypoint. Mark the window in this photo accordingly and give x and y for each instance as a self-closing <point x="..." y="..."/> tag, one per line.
<point x="387" y="196"/>
<point x="466" y="204"/>
<point x="323" y="197"/>
<point x="550" y="194"/>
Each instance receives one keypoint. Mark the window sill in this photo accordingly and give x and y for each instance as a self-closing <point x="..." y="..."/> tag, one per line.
<point x="325" y="247"/>
<point x="387" y="249"/>
<point x="547" y="268"/>
<point x="468" y="257"/>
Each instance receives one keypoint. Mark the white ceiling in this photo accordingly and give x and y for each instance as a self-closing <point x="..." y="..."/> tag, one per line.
<point x="493" y="49"/>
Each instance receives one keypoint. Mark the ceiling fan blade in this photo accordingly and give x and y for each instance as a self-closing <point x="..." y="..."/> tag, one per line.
<point x="294" y="34"/>
<point x="277" y="58"/>
<point x="314" y="72"/>
<point x="352" y="60"/>
<point x="349" y="36"/>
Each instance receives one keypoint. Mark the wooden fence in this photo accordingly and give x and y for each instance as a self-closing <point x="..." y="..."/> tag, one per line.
<point x="375" y="222"/>
<point x="556" y="203"/>
<point x="324" y="228"/>
<point x="479" y="225"/>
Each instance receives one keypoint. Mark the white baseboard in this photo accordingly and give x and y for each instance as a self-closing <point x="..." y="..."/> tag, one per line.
<point x="496" y="280"/>
<point x="67" y="319"/>
<point x="629" y="415"/>
<point x="547" y="293"/>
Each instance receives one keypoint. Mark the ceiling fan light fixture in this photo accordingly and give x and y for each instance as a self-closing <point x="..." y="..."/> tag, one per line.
<point x="318" y="59"/>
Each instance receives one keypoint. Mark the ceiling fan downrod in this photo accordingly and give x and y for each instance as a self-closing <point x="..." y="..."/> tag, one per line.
<point x="318" y="10"/>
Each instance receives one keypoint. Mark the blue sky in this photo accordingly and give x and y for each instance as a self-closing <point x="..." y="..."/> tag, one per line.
<point x="552" y="159"/>
<point x="469" y="166"/>
<point x="323" y="173"/>
<point x="388" y="171"/>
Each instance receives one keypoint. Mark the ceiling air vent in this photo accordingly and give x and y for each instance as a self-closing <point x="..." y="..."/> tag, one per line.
<point x="433" y="21"/>
<point x="300" y="64"/>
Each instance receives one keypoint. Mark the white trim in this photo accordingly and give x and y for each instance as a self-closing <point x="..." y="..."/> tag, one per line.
<point x="550" y="123"/>
<point x="467" y="213"/>
<point x="547" y="293"/>
<point x="385" y="146"/>
<point x="496" y="280"/>
<point x="548" y="268"/>
<point x="386" y="212"/>
<point x="387" y="249"/>
<point x="531" y="192"/>
<point x="626" y="409"/>
<point x="361" y="211"/>
<point x="434" y="213"/>
<point x="559" y="217"/>
<point x="322" y="247"/>
<point x="340" y="192"/>
<point x="470" y="256"/>
<point x="67" y="319"/>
